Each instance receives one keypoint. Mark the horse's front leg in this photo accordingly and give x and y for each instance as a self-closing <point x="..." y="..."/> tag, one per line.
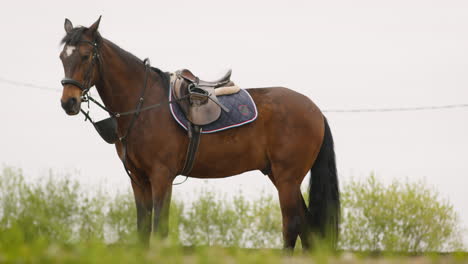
<point x="161" y="186"/>
<point x="144" y="206"/>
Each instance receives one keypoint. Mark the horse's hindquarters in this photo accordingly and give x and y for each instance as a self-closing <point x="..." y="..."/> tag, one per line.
<point x="288" y="132"/>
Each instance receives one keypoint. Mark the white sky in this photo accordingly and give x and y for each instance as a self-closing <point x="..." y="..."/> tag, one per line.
<point x="342" y="54"/>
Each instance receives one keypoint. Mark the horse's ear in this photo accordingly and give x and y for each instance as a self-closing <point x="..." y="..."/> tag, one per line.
<point x="68" y="25"/>
<point x="94" y="27"/>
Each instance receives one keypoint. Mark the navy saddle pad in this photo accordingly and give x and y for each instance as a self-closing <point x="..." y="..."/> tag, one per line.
<point x="242" y="110"/>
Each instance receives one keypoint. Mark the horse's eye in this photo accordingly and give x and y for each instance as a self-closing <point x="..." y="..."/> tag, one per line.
<point x="85" y="57"/>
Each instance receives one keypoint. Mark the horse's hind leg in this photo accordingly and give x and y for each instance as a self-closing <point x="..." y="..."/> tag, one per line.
<point x="292" y="210"/>
<point x="306" y="228"/>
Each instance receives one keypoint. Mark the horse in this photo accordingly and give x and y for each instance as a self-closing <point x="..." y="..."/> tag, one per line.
<point x="289" y="138"/>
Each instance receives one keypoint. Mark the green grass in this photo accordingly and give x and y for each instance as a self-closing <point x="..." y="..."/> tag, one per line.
<point x="95" y="252"/>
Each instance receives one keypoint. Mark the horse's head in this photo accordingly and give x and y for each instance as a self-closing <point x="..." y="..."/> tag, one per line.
<point x="80" y="58"/>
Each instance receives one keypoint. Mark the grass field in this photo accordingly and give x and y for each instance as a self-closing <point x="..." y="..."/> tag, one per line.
<point x="160" y="253"/>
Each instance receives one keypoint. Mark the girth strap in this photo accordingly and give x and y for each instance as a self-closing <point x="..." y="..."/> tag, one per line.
<point x="194" y="133"/>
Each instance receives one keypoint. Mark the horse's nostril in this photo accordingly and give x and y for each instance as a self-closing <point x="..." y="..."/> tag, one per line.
<point x="72" y="101"/>
<point x="70" y="104"/>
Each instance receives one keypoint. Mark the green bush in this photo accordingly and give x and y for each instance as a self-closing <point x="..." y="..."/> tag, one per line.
<point x="402" y="217"/>
<point x="121" y="218"/>
<point x="54" y="209"/>
<point x="58" y="210"/>
<point x="212" y="220"/>
<point x="28" y="211"/>
<point x="409" y="217"/>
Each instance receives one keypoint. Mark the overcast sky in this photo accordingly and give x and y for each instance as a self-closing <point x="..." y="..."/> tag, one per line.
<point x="342" y="54"/>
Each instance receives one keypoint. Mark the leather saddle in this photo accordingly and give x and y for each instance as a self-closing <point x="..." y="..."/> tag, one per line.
<point x="201" y="106"/>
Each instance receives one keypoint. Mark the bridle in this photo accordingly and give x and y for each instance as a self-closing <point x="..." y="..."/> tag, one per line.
<point x="86" y="85"/>
<point x="107" y="128"/>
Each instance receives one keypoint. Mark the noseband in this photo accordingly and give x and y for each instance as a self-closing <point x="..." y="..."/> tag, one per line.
<point x="86" y="85"/>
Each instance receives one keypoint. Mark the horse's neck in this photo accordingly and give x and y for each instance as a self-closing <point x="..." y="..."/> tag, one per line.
<point x="122" y="79"/>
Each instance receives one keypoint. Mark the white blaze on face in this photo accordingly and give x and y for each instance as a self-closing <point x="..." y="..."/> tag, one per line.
<point x="69" y="50"/>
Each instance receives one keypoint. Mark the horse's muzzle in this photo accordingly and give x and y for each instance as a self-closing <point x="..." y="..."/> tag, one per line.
<point x="71" y="106"/>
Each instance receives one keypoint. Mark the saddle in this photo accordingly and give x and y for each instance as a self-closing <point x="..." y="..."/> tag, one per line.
<point x="201" y="106"/>
<point x="197" y="99"/>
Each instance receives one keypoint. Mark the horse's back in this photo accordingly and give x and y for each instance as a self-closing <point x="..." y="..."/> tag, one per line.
<point x="285" y="107"/>
<point x="280" y="95"/>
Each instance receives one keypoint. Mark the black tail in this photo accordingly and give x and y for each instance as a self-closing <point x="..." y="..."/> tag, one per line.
<point x="324" y="193"/>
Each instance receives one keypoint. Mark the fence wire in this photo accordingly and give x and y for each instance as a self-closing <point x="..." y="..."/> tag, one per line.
<point x="355" y="110"/>
<point x="29" y="85"/>
<point x="397" y="109"/>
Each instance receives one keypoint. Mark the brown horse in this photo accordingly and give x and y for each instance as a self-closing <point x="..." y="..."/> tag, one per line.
<point x="290" y="137"/>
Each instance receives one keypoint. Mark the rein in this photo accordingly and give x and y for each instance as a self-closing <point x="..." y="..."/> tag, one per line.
<point x="111" y="121"/>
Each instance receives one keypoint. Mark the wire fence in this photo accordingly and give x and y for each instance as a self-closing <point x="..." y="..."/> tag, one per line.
<point x="396" y="109"/>
<point x="351" y="110"/>
<point x="29" y="85"/>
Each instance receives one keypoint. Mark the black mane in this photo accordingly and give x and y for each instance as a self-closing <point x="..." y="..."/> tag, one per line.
<point x="164" y="78"/>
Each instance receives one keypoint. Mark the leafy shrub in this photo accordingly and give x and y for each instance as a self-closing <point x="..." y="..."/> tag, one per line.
<point x="403" y="216"/>
<point x="121" y="218"/>
<point x="212" y="220"/>
<point x="29" y="210"/>
<point x="54" y="209"/>
<point x="58" y="210"/>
